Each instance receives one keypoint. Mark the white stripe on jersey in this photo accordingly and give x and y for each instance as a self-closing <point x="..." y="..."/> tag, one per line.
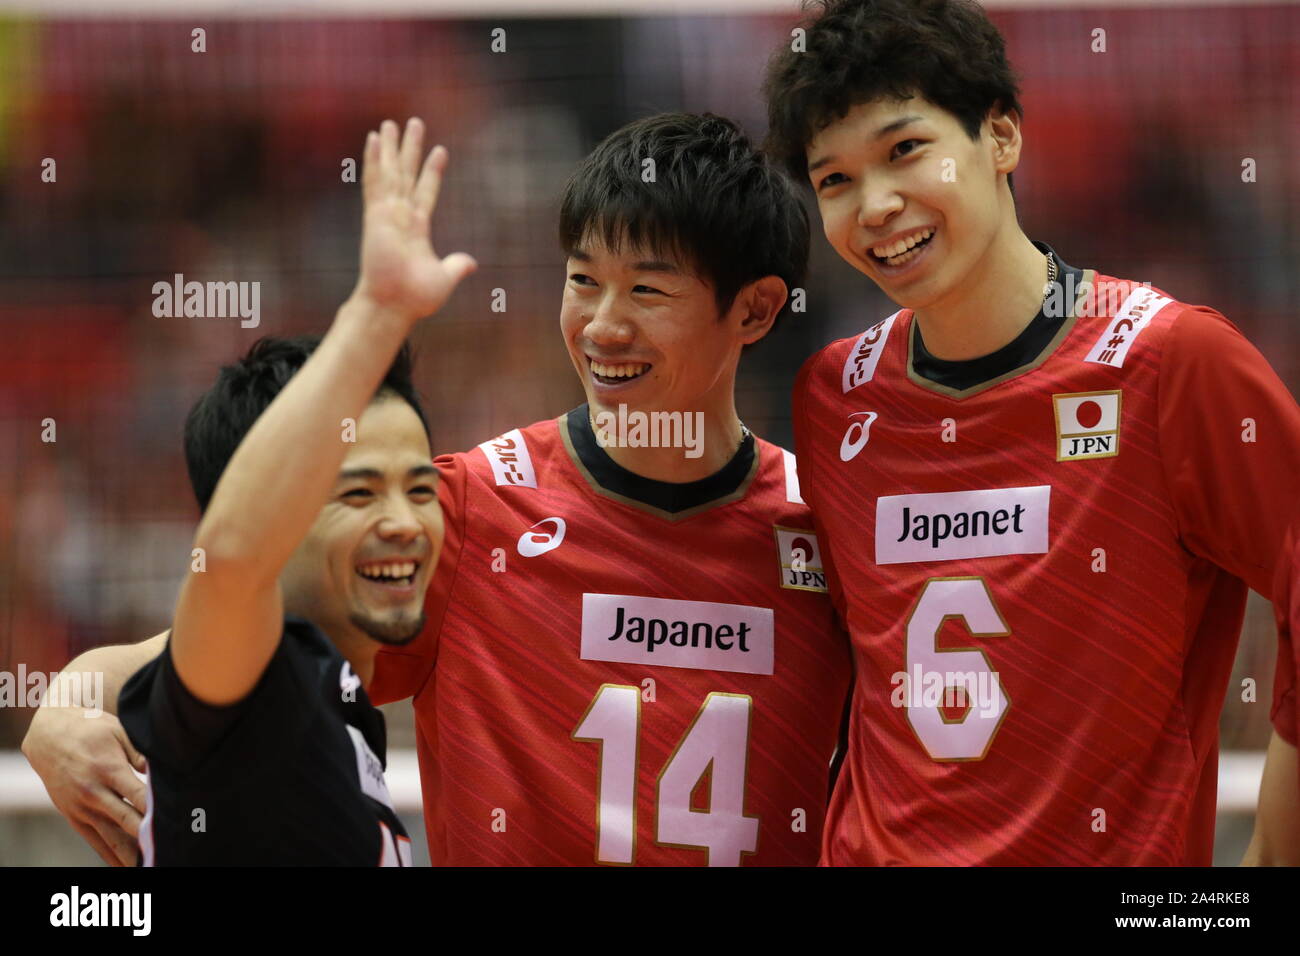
<point x="1134" y="315"/>
<point x="860" y="366"/>
<point x="508" y="456"/>
<point x="791" y="478"/>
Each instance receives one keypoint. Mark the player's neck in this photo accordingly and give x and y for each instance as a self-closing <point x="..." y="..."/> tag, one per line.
<point x="991" y="306"/>
<point x="713" y="438"/>
<point x="358" y="649"/>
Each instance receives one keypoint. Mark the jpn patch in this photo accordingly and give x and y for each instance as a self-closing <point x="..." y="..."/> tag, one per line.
<point x="800" y="559"/>
<point x="1087" y="425"/>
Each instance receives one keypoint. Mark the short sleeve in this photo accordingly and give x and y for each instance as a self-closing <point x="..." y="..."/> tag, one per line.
<point x="1230" y="446"/>
<point x="174" y="729"/>
<point x="799" y="424"/>
<point x="808" y="488"/>
<point x="400" y="672"/>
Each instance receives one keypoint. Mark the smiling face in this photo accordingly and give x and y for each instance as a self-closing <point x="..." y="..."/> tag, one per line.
<point x="370" y="555"/>
<point x="645" y="332"/>
<point x="907" y="197"/>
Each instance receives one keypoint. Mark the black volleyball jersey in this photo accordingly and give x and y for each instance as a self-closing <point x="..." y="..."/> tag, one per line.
<point x="293" y="774"/>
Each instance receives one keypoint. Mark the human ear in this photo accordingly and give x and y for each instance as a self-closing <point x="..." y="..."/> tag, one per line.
<point x="760" y="302"/>
<point x="1004" y="130"/>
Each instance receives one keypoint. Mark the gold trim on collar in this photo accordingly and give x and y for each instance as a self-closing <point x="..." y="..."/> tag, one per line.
<point x="604" y="492"/>
<point x="1085" y="286"/>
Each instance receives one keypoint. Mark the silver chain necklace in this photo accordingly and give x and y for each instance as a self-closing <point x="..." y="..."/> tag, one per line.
<point x="1051" y="276"/>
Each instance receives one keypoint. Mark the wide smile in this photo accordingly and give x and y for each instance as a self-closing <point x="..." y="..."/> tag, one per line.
<point x="390" y="579"/>
<point x="616" y="375"/>
<point x="902" y="256"/>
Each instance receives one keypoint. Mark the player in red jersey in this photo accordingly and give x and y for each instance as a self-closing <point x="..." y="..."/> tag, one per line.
<point x="597" y="644"/>
<point x="1042" y="492"/>
<point x="629" y="655"/>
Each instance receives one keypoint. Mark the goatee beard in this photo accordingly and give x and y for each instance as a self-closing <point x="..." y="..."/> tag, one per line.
<point x="394" y="633"/>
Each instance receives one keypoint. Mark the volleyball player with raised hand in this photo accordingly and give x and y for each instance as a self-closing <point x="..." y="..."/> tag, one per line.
<point x="630" y="657"/>
<point x="319" y="535"/>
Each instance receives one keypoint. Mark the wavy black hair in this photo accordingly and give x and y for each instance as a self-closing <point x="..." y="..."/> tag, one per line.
<point x="857" y="51"/>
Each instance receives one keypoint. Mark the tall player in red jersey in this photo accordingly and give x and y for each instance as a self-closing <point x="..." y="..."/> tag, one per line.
<point x="620" y="664"/>
<point x="1042" y="492"/>
<point x="629" y="657"/>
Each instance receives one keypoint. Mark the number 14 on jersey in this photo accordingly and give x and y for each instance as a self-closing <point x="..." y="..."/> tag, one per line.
<point x="717" y="742"/>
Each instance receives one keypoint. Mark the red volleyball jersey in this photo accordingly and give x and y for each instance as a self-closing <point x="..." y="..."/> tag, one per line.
<point x="604" y="681"/>
<point x="1286" y="605"/>
<point x="1044" y="576"/>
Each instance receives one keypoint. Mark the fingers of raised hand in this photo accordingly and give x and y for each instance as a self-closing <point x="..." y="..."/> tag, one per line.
<point x="388" y="151"/>
<point x="409" y="154"/>
<point x="429" y="184"/>
<point x="380" y="175"/>
<point x="370" y="171"/>
<point x="392" y="166"/>
<point x="457" y="266"/>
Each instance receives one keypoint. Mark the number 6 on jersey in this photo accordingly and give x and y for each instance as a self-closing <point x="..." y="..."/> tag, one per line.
<point x="967" y="737"/>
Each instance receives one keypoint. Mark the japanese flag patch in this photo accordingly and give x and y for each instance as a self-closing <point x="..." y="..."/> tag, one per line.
<point x="801" y="560"/>
<point x="1087" y="425"/>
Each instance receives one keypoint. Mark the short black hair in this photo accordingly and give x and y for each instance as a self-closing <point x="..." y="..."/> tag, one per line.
<point x="857" y="51"/>
<point x="224" y="413"/>
<point x="716" y="203"/>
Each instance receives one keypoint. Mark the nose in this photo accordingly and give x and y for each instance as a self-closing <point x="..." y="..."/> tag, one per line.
<point x="400" y="521"/>
<point x="608" y="327"/>
<point x="878" y="202"/>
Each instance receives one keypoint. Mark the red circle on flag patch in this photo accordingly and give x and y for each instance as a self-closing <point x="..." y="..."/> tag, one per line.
<point x="804" y="545"/>
<point x="1088" y="414"/>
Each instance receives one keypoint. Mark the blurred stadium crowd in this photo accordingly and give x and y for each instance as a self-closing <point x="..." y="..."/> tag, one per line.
<point x="226" y="165"/>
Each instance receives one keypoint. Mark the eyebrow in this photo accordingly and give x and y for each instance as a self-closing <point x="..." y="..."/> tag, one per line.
<point x="886" y="130"/>
<point x="644" y="265"/>
<point x="374" y="474"/>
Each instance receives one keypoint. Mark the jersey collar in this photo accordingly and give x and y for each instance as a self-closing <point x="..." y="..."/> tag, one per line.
<point x="1028" y="350"/>
<point x="670" y="500"/>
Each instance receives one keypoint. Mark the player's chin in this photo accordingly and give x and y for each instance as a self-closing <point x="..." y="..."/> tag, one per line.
<point x="391" y="626"/>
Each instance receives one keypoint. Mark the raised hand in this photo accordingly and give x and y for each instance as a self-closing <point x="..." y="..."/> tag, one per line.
<point x="400" y="272"/>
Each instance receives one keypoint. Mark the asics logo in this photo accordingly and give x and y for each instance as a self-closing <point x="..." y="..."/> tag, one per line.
<point x="534" y="542"/>
<point x="857" y="436"/>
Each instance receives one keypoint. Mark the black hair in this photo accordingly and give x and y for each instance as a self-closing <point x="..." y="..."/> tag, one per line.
<point x="857" y="51"/>
<point x="714" y="203"/>
<point x="224" y="413"/>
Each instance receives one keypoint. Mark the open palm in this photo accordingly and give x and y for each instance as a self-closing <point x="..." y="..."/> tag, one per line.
<point x="400" y="272"/>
